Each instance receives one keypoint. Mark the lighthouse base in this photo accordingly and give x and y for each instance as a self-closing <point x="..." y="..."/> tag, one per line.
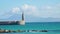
<point x="22" y="22"/>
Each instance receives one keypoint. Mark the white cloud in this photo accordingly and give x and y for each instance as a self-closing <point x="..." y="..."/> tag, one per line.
<point x="50" y="11"/>
<point x="45" y="11"/>
<point x="15" y="10"/>
<point x="45" y="7"/>
<point x="25" y="7"/>
<point x="7" y="14"/>
<point x="30" y="10"/>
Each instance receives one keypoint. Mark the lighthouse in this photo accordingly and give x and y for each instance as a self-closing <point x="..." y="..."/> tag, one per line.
<point x="22" y="22"/>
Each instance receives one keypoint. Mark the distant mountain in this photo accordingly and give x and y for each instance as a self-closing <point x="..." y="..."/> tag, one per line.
<point x="37" y="19"/>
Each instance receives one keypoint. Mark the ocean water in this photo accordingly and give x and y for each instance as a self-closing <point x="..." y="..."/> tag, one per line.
<point x="52" y="27"/>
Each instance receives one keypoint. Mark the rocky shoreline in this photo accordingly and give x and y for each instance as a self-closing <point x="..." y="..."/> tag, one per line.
<point x="12" y="31"/>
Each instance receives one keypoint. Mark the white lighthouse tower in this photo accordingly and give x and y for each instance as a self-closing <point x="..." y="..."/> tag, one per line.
<point x="22" y="22"/>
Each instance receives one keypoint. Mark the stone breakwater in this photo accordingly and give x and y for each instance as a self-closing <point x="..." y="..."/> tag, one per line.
<point x="17" y="31"/>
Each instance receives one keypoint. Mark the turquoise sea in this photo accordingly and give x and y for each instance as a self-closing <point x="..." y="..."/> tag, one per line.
<point x="52" y="27"/>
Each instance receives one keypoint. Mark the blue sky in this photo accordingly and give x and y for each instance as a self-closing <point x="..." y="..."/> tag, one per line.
<point x="34" y="10"/>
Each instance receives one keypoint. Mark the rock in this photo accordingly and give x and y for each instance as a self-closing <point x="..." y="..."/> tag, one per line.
<point x="43" y="31"/>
